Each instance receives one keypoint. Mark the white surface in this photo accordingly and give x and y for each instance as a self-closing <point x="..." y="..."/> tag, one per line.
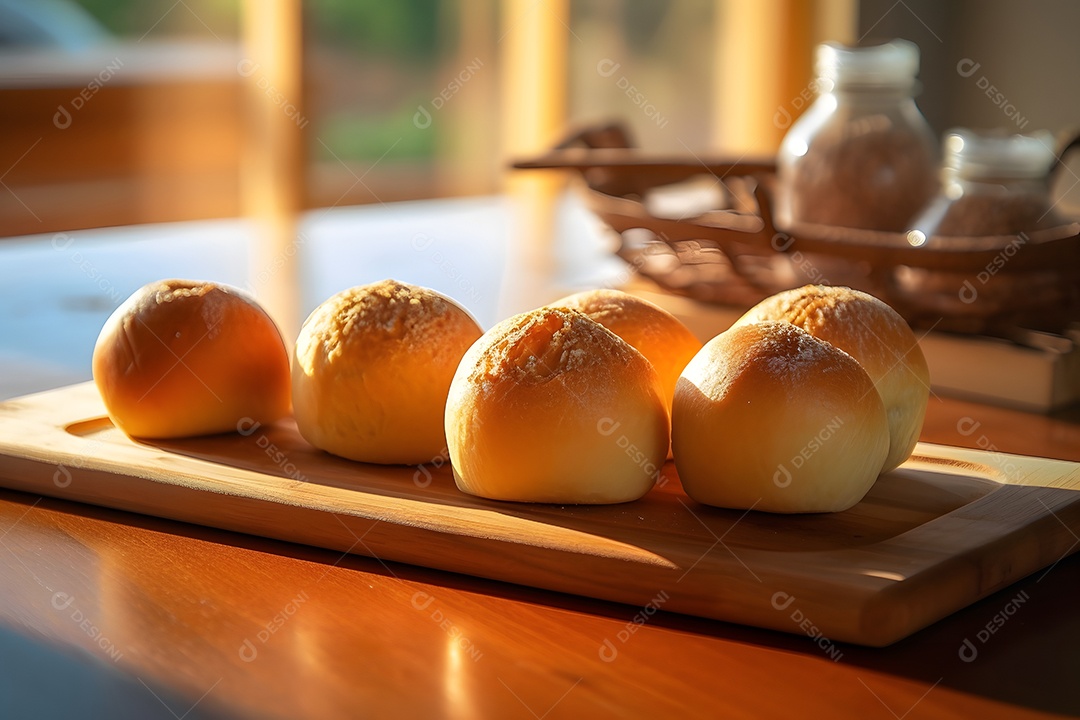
<point x="57" y="290"/>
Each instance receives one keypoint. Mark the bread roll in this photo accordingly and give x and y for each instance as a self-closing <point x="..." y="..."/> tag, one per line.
<point x="371" y="370"/>
<point x="768" y="417"/>
<point x="549" y="406"/>
<point x="875" y="335"/>
<point x="183" y="357"/>
<point x="656" y="333"/>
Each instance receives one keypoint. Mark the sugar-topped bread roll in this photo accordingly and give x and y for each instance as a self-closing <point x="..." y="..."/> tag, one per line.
<point x="549" y="406"/>
<point x="875" y="335"/>
<point x="371" y="370"/>
<point x="768" y="417"/>
<point x="186" y="357"/>
<point x="656" y="333"/>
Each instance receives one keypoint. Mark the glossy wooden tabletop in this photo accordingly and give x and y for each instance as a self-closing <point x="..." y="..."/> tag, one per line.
<point x="181" y="621"/>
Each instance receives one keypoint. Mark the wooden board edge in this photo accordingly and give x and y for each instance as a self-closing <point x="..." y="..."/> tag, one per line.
<point x="1037" y="545"/>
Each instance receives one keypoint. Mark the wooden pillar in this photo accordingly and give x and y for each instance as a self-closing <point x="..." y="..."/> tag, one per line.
<point x="468" y="124"/>
<point x="273" y="171"/>
<point x="533" y="55"/>
<point x="764" y="66"/>
<point x="533" y="61"/>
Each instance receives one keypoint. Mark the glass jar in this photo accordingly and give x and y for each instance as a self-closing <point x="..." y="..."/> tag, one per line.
<point x="862" y="156"/>
<point x="991" y="184"/>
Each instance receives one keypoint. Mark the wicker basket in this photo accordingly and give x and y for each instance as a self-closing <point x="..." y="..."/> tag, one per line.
<point x="734" y="254"/>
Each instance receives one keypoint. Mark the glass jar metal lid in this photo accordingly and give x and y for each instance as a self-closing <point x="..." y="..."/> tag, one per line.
<point x="892" y="64"/>
<point x="971" y="155"/>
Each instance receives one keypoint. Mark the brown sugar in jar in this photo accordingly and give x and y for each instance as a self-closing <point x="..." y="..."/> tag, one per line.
<point x="862" y="156"/>
<point x="992" y="184"/>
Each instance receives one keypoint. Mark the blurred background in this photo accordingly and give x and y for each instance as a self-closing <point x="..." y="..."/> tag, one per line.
<point x="297" y="148"/>
<point x="115" y="112"/>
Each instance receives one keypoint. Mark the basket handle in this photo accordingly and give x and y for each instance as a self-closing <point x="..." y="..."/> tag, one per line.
<point x="601" y="135"/>
<point x="764" y="202"/>
<point x="1067" y="141"/>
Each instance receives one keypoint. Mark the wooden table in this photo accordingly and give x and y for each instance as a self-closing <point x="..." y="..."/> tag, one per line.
<point x="108" y="614"/>
<point x="236" y="625"/>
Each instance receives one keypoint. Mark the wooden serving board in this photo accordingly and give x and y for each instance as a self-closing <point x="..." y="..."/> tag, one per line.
<point x="946" y="529"/>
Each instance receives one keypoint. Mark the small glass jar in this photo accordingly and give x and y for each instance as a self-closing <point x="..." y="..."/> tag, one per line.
<point x="991" y="184"/>
<point x="862" y="156"/>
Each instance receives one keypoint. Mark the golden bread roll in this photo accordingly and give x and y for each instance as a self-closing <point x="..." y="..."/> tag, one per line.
<point x="768" y="417"/>
<point x="182" y="358"/>
<point x="875" y="335"/>
<point x="549" y="406"/>
<point x="656" y="333"/>
<point x="371" y="370"/>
